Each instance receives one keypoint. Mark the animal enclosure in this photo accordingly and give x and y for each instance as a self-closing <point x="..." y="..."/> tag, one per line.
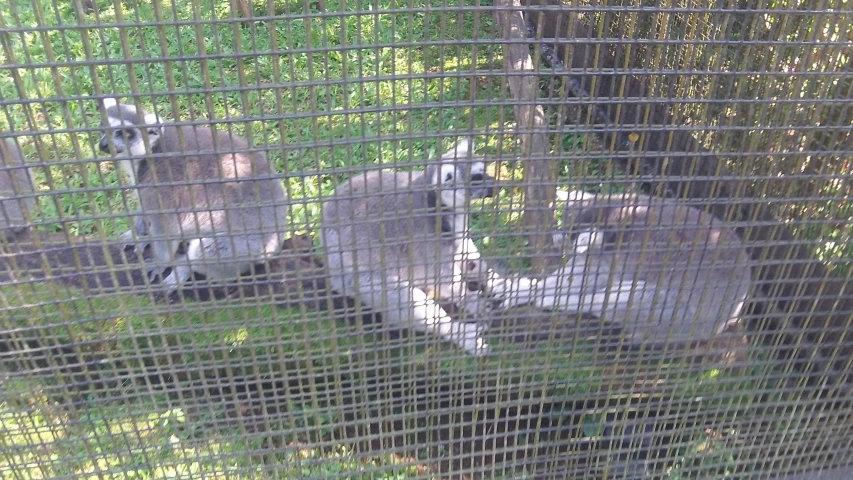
<point x="372" y="239"/>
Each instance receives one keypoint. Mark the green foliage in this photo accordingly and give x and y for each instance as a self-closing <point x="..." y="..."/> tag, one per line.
<point x="306" y="88"/>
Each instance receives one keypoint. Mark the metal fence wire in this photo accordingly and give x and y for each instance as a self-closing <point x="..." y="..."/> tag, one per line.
<point x="382" y="239"/>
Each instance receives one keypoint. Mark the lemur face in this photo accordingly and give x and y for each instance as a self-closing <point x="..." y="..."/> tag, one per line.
<point x="125" y="138"/>
<point x="461" y="176"/>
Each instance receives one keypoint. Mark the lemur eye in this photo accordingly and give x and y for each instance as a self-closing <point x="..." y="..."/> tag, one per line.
<point x="152" y="132"/>
<point x="119" y="133"/>
<point x="477" y="177"/>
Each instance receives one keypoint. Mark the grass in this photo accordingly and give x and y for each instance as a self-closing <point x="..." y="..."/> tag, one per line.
<point x="145" y="433"/>
<point x="302" y="91"/>
<point x="139" y="428"/>
<point x="300" y="83"/>
<point x="145" y="440"/>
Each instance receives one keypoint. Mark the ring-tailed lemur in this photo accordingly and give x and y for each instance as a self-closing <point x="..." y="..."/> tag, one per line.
<point x="666" y="272"/>
<point x="207" y="205"/>
<point x="398" y="241"/>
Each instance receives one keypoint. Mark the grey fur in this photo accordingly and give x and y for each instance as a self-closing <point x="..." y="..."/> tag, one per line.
<point x="16" y="189"/>
<point x="666" y="272"/>
<point x="399" y="242"/>
<point x="198" y="216"/>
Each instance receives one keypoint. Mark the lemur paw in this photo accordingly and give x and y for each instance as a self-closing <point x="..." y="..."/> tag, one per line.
<point x="132" y="242"/>
<point x="469" y="337"/>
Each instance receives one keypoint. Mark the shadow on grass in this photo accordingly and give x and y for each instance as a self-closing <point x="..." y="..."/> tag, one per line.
<point x="547" y="404"/>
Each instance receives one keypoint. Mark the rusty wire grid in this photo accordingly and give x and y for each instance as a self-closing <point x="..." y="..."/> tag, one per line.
<point x="652" y="269"/>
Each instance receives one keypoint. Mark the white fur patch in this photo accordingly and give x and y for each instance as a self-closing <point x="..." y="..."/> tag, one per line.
<point x="464" y="148"/>
<point x="445" y="175"/>
<point x="117" y="122"/>
<point x="137" y="147"/>
<point x="127" y="167"/>
<point x="453" y="199"/>
<point x="560" y="238"/>
<point x="587" y="239"/>
<point x="152" y="119"/>
<point x="453" y="175"/>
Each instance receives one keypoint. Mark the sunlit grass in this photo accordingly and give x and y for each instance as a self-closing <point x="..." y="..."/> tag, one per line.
<point x="295" y="84"/>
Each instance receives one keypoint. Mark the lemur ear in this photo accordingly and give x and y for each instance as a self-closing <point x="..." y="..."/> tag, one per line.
<point x="109" y="102"/>
<point x="463" y="149"/>
<point x="152" y="119"/>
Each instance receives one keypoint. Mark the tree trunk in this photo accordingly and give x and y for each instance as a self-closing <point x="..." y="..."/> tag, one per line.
<point x="539" y="176"/>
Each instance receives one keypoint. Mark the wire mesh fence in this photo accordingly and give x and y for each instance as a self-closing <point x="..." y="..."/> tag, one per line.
<point x="372" y="239"/>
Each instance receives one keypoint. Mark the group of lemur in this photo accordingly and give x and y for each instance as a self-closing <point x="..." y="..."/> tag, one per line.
<point x="398" y="241"/>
